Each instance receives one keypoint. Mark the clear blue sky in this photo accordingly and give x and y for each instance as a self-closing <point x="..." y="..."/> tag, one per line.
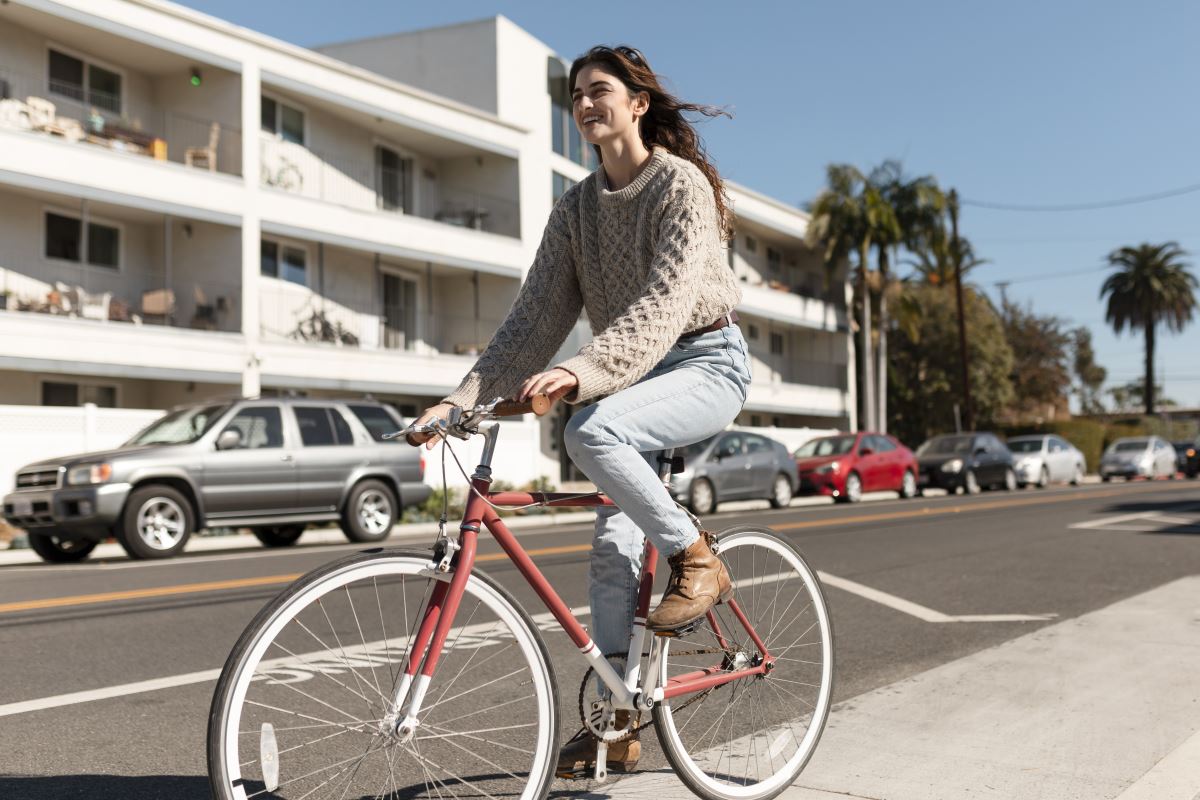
<point x="1019" y="102"/>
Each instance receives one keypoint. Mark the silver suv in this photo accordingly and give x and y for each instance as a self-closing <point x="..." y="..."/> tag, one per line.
<point x="273" y="465"/>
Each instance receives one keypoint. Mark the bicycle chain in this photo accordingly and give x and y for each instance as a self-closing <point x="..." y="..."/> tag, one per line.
<point x="635" y="727"/>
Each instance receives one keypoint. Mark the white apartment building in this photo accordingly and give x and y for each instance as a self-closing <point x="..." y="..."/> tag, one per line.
<point x="190" y="208"/>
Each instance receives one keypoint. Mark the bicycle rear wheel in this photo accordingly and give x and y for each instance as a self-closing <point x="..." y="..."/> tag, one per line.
<point x="749" y="739"/>
<point x="300" y="708"/>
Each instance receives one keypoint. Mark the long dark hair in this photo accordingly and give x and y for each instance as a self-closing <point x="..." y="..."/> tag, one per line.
<point x="664" y="123"/>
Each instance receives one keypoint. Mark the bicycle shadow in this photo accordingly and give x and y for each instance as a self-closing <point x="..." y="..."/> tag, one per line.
<point x="106" y="787"/>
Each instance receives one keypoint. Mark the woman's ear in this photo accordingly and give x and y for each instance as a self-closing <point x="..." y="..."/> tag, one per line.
<point x="641" y="104"/>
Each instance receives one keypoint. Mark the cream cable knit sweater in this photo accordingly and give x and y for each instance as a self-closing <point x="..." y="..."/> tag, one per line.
<point x="644" y="261"/>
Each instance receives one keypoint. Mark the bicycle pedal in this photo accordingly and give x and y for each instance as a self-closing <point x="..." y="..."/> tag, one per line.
<point x="683" y="630"/>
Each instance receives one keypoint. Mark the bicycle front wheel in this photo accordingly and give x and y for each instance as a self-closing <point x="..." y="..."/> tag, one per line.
<point x="750" y="738"/>
<point x="305" y="705"/>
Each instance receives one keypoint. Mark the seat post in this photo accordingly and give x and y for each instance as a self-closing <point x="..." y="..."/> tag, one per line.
<point x="666" y="466"/>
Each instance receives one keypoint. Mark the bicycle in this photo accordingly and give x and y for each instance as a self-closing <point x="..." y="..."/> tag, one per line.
<point x="321" y="698"/>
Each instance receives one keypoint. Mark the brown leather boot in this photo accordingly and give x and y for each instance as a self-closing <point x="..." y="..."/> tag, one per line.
<point x="698" y="581"/>
<point x="577" y="759"/>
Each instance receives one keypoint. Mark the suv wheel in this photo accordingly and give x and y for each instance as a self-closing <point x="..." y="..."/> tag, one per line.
<point x="370" y="512"/>
<point x="278" y="535"/>
<point x="60" y="551"/>
<point x="156" y="523"/>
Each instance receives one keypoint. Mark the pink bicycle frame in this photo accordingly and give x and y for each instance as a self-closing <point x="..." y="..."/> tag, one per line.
<point x="438" y="617"/>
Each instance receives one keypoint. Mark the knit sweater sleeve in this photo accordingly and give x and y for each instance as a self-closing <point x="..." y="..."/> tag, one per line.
<point x="639" y="337"/>
<point x="547" y="307"/>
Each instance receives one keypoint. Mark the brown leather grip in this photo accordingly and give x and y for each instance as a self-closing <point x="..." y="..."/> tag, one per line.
<point x="413" y="442"/>
<point x="539" y="404"/>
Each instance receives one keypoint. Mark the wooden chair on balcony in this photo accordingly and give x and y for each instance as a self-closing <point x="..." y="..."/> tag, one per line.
<point x="158" y="305"/>
<point x="205" y="157"/>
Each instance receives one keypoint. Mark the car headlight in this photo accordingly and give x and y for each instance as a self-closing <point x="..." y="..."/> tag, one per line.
<point x="827" y="468"/>
<point x="953" y="465"/>
<point x="89" y="474"/>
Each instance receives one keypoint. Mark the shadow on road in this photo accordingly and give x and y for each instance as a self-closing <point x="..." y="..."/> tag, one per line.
<point x="103" y="787"/>
<point x="1180" y="517"/>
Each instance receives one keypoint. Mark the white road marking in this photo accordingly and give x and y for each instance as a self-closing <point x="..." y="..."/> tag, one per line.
<point x="1176" y="777"/>
<point x="542" y="621"/>
<point x="1105" y="521"/>
<point x="919" y="611"/>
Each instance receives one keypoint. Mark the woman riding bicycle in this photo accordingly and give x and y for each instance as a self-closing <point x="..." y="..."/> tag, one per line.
<point x="638" y="246"/>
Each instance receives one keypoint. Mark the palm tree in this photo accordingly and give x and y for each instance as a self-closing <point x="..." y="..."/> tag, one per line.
<point x="916" y="206"/>
<point x="844" y="217"/>
<point x="1152" y="285"/>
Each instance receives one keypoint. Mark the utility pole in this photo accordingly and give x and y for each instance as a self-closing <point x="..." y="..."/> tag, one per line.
<point x="956" y="254"/>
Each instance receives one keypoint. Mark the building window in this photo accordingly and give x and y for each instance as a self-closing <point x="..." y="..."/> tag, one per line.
<point x="283" y="120"/>
<point x="774" y="259"/>
<point x="64" y="240"/>
<point x="755" y="421"/>
<point x="751" y="244"/>
<point x="776" y="344"/>
<point x="85" y="82"/>
<point x="565" y="138"/>
<point x="752" y="331"/>
<point x="56" y="393"/>
<point x="394" y="180"/>
<point x="282" y="261"/>
<point x="559" y="185"/>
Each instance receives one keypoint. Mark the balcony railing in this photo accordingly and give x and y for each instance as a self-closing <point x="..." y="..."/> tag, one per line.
<point x="128" y="297"/>
<point x="799" y="371"/>
<point x="69" y="111"/>
<point x="295" y="314"/>
<point x="367" y="186"/>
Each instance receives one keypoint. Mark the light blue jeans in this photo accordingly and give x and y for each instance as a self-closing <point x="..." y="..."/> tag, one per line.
<point x="692" y="394"/>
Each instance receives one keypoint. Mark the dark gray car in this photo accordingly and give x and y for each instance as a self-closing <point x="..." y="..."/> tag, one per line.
<point x="734" y="465"/>
<point x="272" y="464"/>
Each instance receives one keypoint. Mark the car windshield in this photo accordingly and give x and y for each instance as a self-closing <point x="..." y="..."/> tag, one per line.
<point x="1182" y="447"/>
<point x="181" y="426"/>
<point x="1132" y="446"/>
<point x="945" y="445"/>
<point x="1025" y="445"/>
<point x="825" y="446"/>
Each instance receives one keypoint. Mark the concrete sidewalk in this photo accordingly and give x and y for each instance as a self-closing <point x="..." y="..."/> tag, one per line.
<point x="1103" y="706"/>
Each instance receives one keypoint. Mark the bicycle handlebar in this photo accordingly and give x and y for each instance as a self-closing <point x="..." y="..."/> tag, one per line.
<point x="465" y="423"/>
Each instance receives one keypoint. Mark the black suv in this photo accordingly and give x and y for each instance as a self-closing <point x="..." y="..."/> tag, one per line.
<point x="273" y="465"/>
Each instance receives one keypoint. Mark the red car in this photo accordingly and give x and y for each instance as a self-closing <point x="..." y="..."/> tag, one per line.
<point x="849" y="464"/>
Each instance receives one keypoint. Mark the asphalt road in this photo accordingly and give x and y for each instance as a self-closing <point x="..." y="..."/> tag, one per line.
<point x="78" y="628"/>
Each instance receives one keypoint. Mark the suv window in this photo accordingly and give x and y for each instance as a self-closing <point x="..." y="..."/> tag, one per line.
<point x="729" y="446"/>
<point x="317" y="426"/>
<point x="260" y="426"/>
<point x="377" y="421"/>
<point x="341" y="428"/>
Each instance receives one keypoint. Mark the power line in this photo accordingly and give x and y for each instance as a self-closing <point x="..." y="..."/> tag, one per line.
<point x="1051" y="275"/>
<point x="1124" y="201"/>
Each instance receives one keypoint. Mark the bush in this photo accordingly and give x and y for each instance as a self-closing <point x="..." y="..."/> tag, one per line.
<point x="1089" y="436"/>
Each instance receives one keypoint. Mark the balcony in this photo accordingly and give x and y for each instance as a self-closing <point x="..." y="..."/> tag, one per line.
<point x="801" y="305"/>
<point x="65" y="259"/>
<point x="94" y="118"/>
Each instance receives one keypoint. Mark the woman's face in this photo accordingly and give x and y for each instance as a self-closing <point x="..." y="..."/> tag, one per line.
<point x="603" y="107"/>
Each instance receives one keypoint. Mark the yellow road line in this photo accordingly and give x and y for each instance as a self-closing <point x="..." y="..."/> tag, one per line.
<point x="269" y="580"/>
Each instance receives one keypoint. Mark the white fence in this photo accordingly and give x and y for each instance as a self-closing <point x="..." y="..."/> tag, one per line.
<point x="33" y="433"/>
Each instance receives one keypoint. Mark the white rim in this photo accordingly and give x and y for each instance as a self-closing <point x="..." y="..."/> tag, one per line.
<point x="972" y="483"/>
<point x="820" y="712"/>
<point x="783" y="491"/>
<point x="908" y="486"/>
<point x="161" y="523"/>
<point x="375" y="511"/>
<point x="378" y="567"/>
<point x="702" y="496"/>
<point x="853" y="487"/>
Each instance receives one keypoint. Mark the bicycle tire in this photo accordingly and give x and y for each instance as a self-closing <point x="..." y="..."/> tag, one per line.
<point x="229" y="781"/>
<point x="689" y="757"/>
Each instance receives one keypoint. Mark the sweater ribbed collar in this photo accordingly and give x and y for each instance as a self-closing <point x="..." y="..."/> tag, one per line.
<point x="658" y="157"/>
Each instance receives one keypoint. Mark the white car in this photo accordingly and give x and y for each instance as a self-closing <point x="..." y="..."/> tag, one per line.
<point x="1138" y="456"/>
<point x="1042" y="459"/>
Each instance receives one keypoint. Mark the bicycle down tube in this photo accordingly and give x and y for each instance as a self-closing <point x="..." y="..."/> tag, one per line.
<point x="438" y="616"/>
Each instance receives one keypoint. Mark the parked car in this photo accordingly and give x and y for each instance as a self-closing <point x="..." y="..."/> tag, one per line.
<point x="845" y="466"/>
<point x="1040" y="459"/>
<point x="273" y="465"/>
<point x="734" y="466"/>
<point x="966" y="461"/>
<point x="1138" y="457"/>
<point x="1187" y="457"/>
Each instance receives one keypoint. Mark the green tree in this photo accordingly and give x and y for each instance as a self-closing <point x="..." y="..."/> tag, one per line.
<point x="845" y="217"/>
<point x="924" y="362"/>
<point x="1041" y="373"/>
<point x="1152" y="284"/>
<point x="1089" y="375"/>
<point x="1131" y="396"/>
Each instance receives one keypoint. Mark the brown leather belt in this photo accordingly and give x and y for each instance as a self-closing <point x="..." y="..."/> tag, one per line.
<point x="728" y="319"/>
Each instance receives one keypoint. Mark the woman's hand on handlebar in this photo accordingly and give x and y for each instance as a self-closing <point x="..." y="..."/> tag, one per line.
<point x="440" y="411"/>
<point x="555" y="383"/>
